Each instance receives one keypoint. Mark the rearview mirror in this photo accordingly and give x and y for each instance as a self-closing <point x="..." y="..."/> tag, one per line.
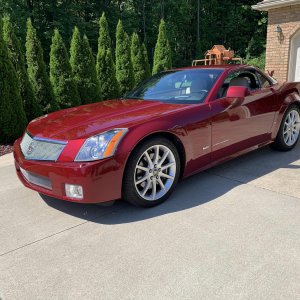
<point x="237" y="92"/>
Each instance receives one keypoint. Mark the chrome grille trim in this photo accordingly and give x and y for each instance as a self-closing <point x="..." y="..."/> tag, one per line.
<point x="34" y="148"/>
<point x="36" y="179"/>
<point x="49" y="141"/>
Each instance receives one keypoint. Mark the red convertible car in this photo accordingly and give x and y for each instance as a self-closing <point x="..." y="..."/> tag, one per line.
<point x="173" y="125"/>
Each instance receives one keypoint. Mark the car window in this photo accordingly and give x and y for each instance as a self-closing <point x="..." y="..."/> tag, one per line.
<point x="181" y="86"/>
<point x="231" y="76"/>
<point x="264" y="82"/>
<point x="222" y="91"/>
<point x="247" y="78"/>
<point x="251" y="78"/>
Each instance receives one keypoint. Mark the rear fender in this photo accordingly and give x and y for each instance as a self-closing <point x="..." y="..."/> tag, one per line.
<point x="289" y="99"/>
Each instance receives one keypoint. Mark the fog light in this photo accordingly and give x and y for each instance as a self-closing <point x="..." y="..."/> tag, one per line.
<point x="74" y="191"/>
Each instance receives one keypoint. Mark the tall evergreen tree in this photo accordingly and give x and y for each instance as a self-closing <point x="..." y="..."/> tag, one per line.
<point x="162" y="54"/>
<point x="12" y="114"/>
<point x="138" y="59"/>
<point x="37" y="71"/>
<point x="124" y="69"/>
<point x="64" y="86"/>
<point x="84" y="68"/>
<point x="104" y="40"/>
<point x="31" y="106"/>
<point x="106" y="72"/>
<point x="146" y="61"/>
<point x="181" y="17"/>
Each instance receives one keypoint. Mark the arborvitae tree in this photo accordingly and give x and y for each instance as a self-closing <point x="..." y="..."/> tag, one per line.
<point x="84" y="68"/>
<point x="37" y="71"/>
<point x="106" y="72"/>
<point x="146" y="61"/>
<point x="12" y="115"/>
<point x="124" y="69"/>
<point x="162" y="54"/>
<point x="104" y="41"/>
<point x="138" y="62"/>
<point x="64" y="86"/>
<point x="31" y="106"/>
<point x="109" y="84"/>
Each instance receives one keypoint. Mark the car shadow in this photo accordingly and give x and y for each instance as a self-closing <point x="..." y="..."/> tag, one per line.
<point x="194" y="191"/>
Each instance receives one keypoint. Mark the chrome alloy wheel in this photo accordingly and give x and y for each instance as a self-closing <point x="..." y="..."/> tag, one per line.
<point x="291" y="128"/>
<point x="155" y="172"/>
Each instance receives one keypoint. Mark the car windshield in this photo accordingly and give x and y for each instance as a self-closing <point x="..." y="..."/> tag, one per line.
<point x="182" y="86"/>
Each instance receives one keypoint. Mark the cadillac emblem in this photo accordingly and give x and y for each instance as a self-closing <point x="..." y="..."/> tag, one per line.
<point x="30" y="148"/>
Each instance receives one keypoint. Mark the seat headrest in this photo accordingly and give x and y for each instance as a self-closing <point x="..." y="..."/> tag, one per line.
<point x="240" y="81"/>
<point x="252" y="79"/>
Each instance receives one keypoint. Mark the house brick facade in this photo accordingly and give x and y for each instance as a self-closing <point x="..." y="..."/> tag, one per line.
<point x="283" y="38"/>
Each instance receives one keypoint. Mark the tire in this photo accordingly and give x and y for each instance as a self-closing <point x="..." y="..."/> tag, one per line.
<point x="288" y="134"/>
<point x="144" y="172"/>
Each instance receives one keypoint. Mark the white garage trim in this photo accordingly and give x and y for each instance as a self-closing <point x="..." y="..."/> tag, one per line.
<point x="294" y="63"/>
<point x="271" y="4"/>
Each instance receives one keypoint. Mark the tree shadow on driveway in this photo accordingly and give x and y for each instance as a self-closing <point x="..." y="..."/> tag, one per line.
<point x="196" y="190"/>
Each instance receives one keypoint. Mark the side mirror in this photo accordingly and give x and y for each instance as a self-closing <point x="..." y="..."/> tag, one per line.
<point x="237" y="92"/>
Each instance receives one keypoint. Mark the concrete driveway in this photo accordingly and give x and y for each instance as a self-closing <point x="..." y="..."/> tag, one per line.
<point x="230" y="233"/>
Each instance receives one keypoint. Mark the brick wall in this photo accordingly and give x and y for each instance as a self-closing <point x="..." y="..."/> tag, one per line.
<point x="278" y="52"/>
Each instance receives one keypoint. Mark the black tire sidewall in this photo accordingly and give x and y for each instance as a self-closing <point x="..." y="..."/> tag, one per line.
<point x="129" y="192"/>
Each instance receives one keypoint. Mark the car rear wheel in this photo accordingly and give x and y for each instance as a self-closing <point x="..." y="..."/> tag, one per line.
<point x="152" y="173"/>
<point x="288" y="134"/>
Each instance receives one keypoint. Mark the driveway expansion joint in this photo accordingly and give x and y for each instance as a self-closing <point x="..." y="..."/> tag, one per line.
<point x="55" y="234"/>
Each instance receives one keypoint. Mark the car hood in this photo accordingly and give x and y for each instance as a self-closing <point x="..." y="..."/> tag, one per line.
<point x="87" y="120"/>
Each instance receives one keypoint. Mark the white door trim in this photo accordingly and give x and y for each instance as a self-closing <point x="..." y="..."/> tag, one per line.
<point x="293" y="55"/>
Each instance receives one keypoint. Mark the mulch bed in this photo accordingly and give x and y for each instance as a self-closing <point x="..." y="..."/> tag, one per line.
<point x="5" y="149"/>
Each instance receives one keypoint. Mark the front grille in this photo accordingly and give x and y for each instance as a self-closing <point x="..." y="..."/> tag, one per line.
<point x="36" y="179"/>
<point x="34" y="148"/>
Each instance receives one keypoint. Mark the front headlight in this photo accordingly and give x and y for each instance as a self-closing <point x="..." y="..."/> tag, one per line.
<point x="101" y="146"/>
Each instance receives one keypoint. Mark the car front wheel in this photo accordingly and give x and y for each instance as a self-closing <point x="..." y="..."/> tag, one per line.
<point x="152" y="173"/>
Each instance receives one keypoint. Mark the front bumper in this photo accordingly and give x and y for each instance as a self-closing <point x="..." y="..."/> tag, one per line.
<point x="101" y="180"/>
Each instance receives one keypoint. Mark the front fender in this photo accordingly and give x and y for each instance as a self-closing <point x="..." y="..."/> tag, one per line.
<point x="140" y="132"/>
<point x="156" y="127"/>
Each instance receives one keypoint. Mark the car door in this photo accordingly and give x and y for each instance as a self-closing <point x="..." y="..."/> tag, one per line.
<point x="241" y="123"/>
